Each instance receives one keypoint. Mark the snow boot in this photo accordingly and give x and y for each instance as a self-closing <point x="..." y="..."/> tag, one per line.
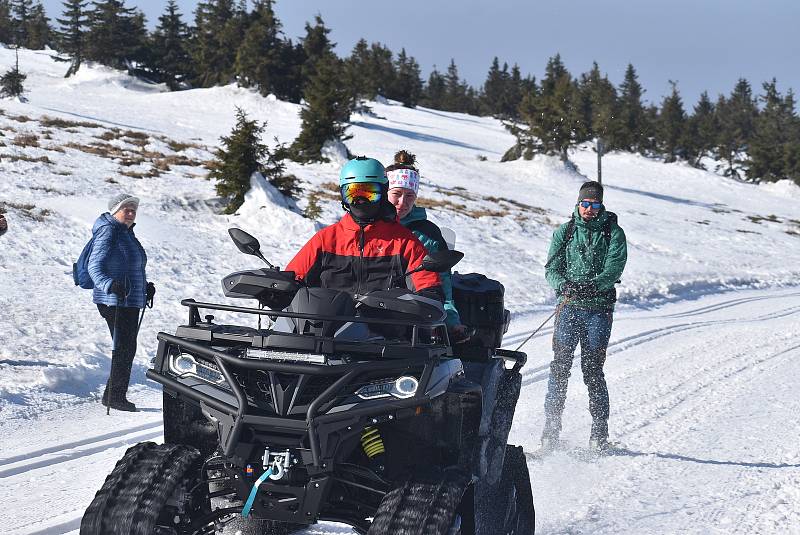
<point x="598" y="439"/>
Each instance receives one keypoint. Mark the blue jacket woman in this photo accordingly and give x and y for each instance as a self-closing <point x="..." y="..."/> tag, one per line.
<point x="403" y="188"/>
<point x="117" y="268"/>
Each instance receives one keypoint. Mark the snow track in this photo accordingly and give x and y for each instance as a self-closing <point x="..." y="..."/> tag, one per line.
<point x="703" y="408"/>
<point x="696" y="389"/>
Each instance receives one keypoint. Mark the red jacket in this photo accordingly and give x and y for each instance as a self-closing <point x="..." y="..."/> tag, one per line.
<point x="346" y="257"/>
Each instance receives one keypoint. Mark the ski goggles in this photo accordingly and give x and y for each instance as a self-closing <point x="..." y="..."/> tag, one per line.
<point x="368" y="191"/>
<point x="594" y="205"/>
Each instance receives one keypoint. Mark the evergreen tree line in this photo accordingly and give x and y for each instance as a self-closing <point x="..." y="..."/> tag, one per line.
<point x="753" y="136"/>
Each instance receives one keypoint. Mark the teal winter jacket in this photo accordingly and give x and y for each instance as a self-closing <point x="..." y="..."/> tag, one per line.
<point x="431" y="245"/>
<point x="588" y="257"/>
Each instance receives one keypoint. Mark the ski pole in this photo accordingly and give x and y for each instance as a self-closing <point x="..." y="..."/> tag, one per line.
<point x="556" y="311"/>
<point x="111" y="368"/>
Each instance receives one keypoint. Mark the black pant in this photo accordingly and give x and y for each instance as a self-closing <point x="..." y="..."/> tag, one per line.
<point x="124" y="339"/>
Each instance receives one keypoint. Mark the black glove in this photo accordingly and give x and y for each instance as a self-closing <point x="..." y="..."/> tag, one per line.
<point x="579" y="290"/>
<point x="117" y="288"/>
<point x="151" y="291"/>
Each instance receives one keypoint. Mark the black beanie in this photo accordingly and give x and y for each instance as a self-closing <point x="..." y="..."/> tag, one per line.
<point x="591" y="190"/>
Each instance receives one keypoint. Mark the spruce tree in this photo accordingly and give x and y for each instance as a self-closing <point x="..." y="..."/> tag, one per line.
<point x="258" y="60"/>
<point x="72" y="36"/>
<point x="555" y="120"/>
<point x="701" y="130"/>
<point x="116" y="34"/>
<point x="671" y="128"/>
<point x="736" y="115"/>
<point x="527" y="144"/>
<point x="288" y="80"/>
<point x="515" y="87"/>
<point x="12" y="82"/>
<point x="318" y="48"/>
<point x="408" y="83"/>
<point x="455" y="92"/>
<point x="494" y="89"/>
<point x="634" y="126"/>
<point x="361" y="87"/>
<point x="435" y="90"/>
<point x="21" y="21"/>
<point x="170" y="59"/>
<point x="599" y="109"/>
<point x="327" y="110"/>
<point x="6" y="23"/>
<point x="40" y="34"/>
<point x="242" y="153"/>
<point x="774" y="133"/>
<point x="215" y="42"/>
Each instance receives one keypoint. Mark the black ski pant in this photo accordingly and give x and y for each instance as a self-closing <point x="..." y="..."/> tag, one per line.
<point x="592" y="329"/>
<point x="124" y="340"/>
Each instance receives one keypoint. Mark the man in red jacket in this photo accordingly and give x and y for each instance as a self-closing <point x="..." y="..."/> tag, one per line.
<point x="367" y="249"/>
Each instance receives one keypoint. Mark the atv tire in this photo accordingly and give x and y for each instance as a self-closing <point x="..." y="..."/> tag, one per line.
<point x="423" y="504"/>
<point x="507" y="507"/>
<point x="151" y="487"/>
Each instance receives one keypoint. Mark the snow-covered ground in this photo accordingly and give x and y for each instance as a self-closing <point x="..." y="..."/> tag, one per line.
<point x="703" y="361"/>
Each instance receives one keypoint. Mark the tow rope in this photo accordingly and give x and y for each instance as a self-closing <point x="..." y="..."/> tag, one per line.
<point x="250" y="499"/>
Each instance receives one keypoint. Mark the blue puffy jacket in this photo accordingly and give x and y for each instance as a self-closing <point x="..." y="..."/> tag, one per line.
<point x="117" y="255"/>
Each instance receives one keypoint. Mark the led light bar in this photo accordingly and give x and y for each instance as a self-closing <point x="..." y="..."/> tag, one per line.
<point x="271" y="354"/>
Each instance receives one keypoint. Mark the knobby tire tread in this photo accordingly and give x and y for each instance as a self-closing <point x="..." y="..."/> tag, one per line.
<point x="135" y="493"/>
<point x="423" y="504"/>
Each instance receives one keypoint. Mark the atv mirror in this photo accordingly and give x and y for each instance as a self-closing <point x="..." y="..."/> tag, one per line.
<point x="439" y="261"/>
<point x="247" y="244"/>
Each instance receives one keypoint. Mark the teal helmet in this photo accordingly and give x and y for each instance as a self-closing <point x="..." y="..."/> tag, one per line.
<point x="363" y="169"/>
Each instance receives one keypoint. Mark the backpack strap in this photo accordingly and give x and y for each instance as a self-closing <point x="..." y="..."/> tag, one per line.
<point x="567" y="237"/>
<point x="610" y="220"/>
<point x="429" y="229"/>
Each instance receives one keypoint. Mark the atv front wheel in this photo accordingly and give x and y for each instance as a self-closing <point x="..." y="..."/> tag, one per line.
<point x="422" y="504"/>
<point x="154" y="488"/>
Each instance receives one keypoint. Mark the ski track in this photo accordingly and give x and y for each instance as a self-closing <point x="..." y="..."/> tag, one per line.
<point x="674" y="414"/>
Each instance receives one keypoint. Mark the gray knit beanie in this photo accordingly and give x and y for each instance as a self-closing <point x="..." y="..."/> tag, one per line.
<point x="591" y="190"/>
<point x="118" y="201"/>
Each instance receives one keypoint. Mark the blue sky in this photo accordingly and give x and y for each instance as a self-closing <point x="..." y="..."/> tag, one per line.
<point x="701" y="44"/>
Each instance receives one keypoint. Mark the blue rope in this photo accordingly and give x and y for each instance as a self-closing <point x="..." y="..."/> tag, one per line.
<point x="250" y="499"/>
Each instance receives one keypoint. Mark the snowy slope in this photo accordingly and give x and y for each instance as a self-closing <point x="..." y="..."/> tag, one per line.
<point x="704" y="349"/>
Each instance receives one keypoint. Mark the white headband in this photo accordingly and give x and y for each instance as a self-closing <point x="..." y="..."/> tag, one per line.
<point x="404" y="178"/>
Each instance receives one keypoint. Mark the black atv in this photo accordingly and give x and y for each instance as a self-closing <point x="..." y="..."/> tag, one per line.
<point x="353" y="409"/>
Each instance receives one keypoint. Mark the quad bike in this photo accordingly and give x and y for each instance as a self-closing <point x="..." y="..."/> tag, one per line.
<point x="353" y="409"/>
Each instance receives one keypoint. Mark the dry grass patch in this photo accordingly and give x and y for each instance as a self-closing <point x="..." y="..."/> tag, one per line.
<point x="441" y="203"/>
<point x="63" y="173"/>
<point x="20" y="118"/>
<point x="177" y="159"/>
<point x="63" y="123"/>
<point x="24" y="158"/>
<point x="27" y="210"/>
<point x="55" y="148"/>
<point x="178" y="146"/>
<point x="26" y="140"/>
<point x="136" y="174"/>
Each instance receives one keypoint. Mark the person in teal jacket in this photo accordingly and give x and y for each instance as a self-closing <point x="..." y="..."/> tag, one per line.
<point x="403" y="188"/>
<point x="586" y="258"/>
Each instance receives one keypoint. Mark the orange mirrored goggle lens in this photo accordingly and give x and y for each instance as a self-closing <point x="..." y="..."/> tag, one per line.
<point x="369" y="191"/>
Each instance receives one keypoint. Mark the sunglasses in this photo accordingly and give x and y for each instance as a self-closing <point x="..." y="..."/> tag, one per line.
<point x="594" y="205"/>
<point x="368" y="191"/>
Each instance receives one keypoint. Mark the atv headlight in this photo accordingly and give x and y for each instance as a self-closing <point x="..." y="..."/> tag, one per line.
<point x="184" y="364"/>
<point x="401" y="388"/>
